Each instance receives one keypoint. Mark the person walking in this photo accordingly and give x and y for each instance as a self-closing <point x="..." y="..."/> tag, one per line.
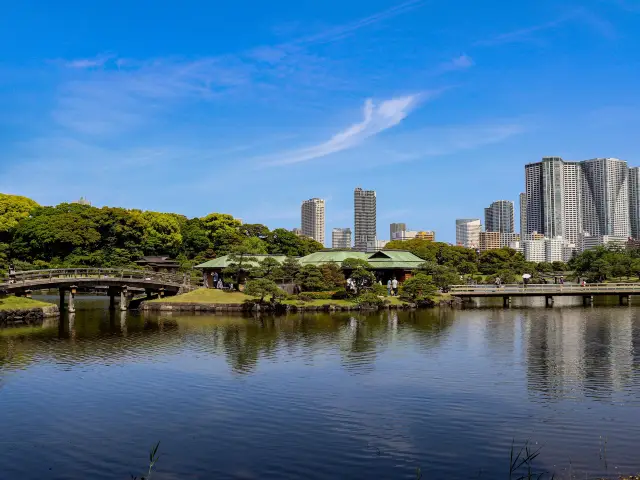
<point x="394" y="285"/>
<point x="215" y="279"/>
<point x="389" y="288"/>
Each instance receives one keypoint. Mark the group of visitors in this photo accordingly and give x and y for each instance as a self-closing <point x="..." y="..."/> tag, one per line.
<point x="217" y="281"/>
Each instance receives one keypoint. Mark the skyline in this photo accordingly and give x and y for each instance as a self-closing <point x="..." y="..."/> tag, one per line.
<point x="409" y="99"/>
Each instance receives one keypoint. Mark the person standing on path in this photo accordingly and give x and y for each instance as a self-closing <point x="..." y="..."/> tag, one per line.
<point x="389" y="288"/>
<point x="394" y="285"/>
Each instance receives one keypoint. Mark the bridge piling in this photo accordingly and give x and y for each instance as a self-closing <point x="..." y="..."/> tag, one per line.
<point x="548" y="301"/>
<point x="506" y="301"/>
<point x="587" y="300"/>
<point x="72" y="297"/>
<point x="124" y="299"/>
<point x="62" y="305"/>
<point x="625" y="299"/>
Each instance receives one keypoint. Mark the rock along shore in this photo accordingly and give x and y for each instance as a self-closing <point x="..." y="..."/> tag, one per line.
<point x="27" y="316"/>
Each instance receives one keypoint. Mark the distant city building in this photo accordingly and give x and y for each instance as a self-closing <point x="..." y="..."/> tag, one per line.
<point x="506" y="239"/>
<point x="312" y="215"/>
<point x="553" y="249"/>
<point x="364" y="206"/>
<point x="468" y="232"/>
<point x="297" y="231"/>
<point x="83" y="201"/>
<point x="533" y="250"/>
<point x="396" y="227"/>
<point x="498" y="217"/>
<point x="591" y="241"/>
<point x="411" y="234"/>
<point x="380" y="244"/>
<point x="488" y="241"/>
<point x="547" y="250"/>
<point x="341" y="238"/>
<point x="571" y="198"/>
<point x="427" y="235"/>
<point x="634" y="202"/>
<point x="523" y="214"/>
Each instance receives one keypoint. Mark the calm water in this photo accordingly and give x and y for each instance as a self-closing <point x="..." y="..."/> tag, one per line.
<point x="319" y="396"/>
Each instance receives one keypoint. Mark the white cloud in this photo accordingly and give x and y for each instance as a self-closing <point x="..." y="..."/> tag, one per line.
<point x="377" y="118"/>
<point x="98" y="61"/>
<point x="461" y="62"/>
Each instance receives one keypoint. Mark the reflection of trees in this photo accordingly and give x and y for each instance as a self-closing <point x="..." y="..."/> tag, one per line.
<point x="108" y="337"/>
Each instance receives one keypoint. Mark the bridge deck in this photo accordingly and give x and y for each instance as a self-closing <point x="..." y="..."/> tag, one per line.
<point x="545" y="290"/>
<point x="92" y="278"/>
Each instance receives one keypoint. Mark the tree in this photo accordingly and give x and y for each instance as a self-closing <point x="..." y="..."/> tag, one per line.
<point x="13" y="208"/>
<point x="261" y="287"/>
<point x="283" y="242"/>
<point x="310" y="279"/>
<point x="443" y="277"/>
<point x="332" y="274"/>
<point x="224" y="232"/>
<point x="195" y="240"/>
<point x="242" y="260"/>
<point x="269" y="268"/>
<point x="353" y="263"/>
<point x="558" y="266"/>
<point x="254" y="230"/>
<point x="161" y="234"/>
<point x="418" y="288"/>
<point x="290" y="268"/>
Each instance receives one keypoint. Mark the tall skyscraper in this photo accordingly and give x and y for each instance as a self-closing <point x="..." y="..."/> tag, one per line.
<point x="395" y="228"/>
<point x="606" y="197"/>
<point x="312" y="213"/>
<point x="341" y="238"/>
<point x="364" y="206"/>
<point x="634" y="202"/>
<point x="498" y="217"/>
<point x="571" y="198"/>
<point x="523" y="214"/>
<point x="468" y="232"/>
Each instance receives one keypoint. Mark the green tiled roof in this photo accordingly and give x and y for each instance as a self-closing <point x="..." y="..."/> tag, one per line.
<point x="223" y="262"/>
<point x="385" y="259"/>
<point x="331" y="256"/>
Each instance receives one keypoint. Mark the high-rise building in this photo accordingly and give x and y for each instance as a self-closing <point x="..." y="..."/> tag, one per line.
<point x="395" y="228"/>
<point x="488" y="241"/>
<point x="606" y="197"/>
<point x="468" y="232"/>
<point x="523" y="214"/>
<point x="364" y="206"/>
<point x="427" y="235"/>
<point x="341" y="238"/>
<point x="498" y="217"/>
<point x="313" y="219"/>
<point x="634" y="202"/>
<point x="568" y="199"/>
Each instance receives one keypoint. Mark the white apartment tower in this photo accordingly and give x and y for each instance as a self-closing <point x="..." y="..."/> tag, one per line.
<point x="341" y="238"/>
<point x="568" y="199"/>
<point x="468" y="232"/>
<point x="606" y="197"/>
<point x="553" y="199"/>
<point x="312" y="213"/>
<point x="498" y="217"/>
<point x="634" y="202"/>
<point x="364" y="206"/>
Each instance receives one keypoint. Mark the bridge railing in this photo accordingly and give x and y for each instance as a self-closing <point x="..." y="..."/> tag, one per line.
<point x="27" y="276"/>
<point x="544" y="288"/>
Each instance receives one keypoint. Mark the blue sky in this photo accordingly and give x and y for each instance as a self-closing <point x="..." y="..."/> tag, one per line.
<point x="250" y="107"/>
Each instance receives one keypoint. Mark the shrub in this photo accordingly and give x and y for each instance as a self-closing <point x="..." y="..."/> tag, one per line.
<point x="417" y="288"/>
<point x="379" y="289"/>
<point x="370" y="299"/>
<point x="304" y="297"/>
<point x="340" y="295"/>
<point x="320" y="295"/>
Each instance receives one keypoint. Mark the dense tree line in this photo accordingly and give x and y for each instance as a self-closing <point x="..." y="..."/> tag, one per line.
<point x="70" y="235"/>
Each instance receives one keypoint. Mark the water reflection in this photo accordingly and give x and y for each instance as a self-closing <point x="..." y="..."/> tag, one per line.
<point x="319" y="395"/>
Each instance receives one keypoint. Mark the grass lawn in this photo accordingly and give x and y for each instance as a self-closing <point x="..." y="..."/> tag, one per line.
<point x="18" y="303"/>
<point x="206" y="295"/>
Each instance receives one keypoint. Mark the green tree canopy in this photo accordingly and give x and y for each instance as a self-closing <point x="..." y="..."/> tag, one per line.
<point x="13" y="208"/>
<point x="418" y="288"/>
<point x="261" y="288"/>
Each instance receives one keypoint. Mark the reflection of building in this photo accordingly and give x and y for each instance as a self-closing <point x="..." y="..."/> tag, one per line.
<point x="468" y="232"/>
<point x="498" y="217"/>
<point x="364" y="207"/>
<point x="312" y="215"/>
<point x="341" y="238"/>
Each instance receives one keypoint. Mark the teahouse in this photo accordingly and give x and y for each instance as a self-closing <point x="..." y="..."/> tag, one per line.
<point x="163" y="264"/>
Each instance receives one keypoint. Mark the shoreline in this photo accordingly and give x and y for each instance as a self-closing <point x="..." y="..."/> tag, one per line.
<point x="27" y="316"/>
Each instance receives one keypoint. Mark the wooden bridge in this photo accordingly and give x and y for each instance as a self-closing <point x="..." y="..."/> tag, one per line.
<point x="120" y="282"/>
<point x="548" y="291"/>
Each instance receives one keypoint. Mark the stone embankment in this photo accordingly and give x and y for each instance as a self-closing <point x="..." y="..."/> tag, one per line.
<point x="29" y="316"/>
<point x="169" y="306"/>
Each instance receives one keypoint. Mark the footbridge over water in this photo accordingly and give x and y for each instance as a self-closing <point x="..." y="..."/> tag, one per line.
<point x="117" y="282"/>
<point x="548" y="291"/>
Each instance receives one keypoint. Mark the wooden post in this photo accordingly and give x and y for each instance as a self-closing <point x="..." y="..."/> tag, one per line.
<point x="72" y="296"/>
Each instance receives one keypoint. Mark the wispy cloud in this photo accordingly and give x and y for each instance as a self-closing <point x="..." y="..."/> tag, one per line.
<point x="95" y="62"/>
<point x="462" y="62"/>
<point x="376" y="119"/>
<point x="528" y="34"/>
